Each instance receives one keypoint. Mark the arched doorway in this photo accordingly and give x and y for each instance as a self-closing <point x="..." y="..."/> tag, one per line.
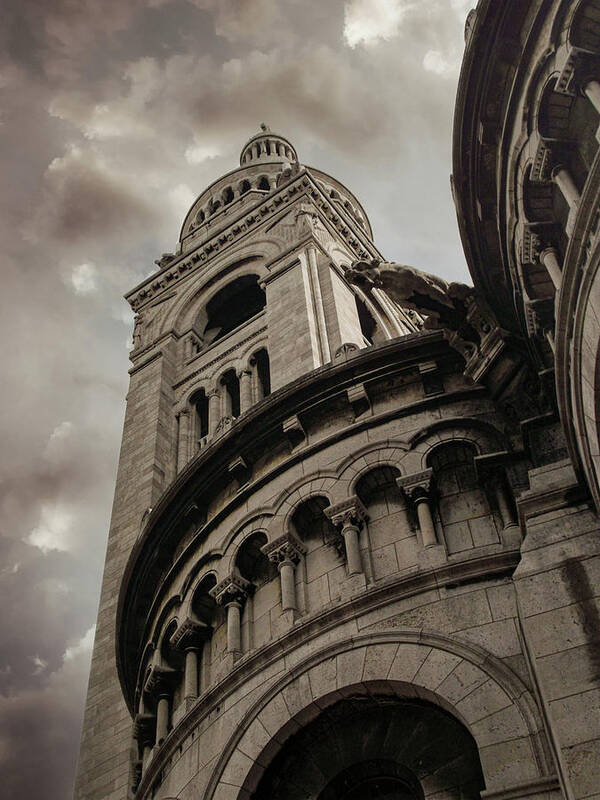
<point x="367" y="747"/>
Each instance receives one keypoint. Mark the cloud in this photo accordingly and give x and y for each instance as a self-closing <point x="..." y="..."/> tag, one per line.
<point x="83" y="279"/>
<point x="52" y="531"/>
<point x="367" y="21"/>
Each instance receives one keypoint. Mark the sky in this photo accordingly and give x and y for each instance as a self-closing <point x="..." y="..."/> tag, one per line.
<point x="115" y="114"/>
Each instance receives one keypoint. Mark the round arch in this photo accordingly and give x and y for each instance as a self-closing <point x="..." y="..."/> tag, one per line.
<point x="462" y="679"/>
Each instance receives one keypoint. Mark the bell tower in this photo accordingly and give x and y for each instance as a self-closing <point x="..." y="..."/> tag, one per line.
<point x="253" y="299"/>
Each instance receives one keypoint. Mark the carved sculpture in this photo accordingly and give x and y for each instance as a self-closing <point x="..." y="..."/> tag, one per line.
<point x="445" y="304"/>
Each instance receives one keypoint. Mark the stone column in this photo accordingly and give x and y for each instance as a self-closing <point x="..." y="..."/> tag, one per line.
<point x="564" y="180"/>
<point x="162" y="718"/>
<point x="159" y="685"/>
<point x="144" y="730"/>
<point x="231" y="593"/>
<point x="348" y="517"/>
<point x="214" y="410"/>
<point x="286" y="551"/>
<point x="245" y="378"/>
<point x="549" y="258"/>
<point x="417" y="488"/>
<point x="183" y="441"/>
<point x="503" y="502"/>
<point x="188" y="638"/>
<point x="257" y="393"/>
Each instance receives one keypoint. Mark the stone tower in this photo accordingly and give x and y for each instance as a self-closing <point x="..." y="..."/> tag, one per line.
<point x="344" y="530"/>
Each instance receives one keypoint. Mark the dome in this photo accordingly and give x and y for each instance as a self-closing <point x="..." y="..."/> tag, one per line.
<point x="267" y="146"/>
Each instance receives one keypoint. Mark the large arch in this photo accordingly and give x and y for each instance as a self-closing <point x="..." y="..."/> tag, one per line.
<point x="477" y="689"/>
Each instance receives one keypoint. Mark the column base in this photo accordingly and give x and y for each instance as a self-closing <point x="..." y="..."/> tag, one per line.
<point x="353" y="585"/>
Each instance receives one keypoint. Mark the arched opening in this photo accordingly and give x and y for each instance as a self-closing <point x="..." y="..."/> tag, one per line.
<point x="252" y="563"/>
<point x="391" y="535"/>
<point x="244" y="187"/>
<point x="200" y="216"/>
<point x="227" y="195"/>
<point x="231" y="385"/>
<point x="368" y="325"/>
<point x="260" y="365"/>
<point x="233" y="305"/>
<point x="205" y="609"/>
<point x="199" y="403"/>
<point x="214" y="206"/>
<point x="463" y="507"/>
<point x="262" y="606"/>
<point x="263" y="184"/>
<point x="319" y="579"/>
<point x="376" y="748"/>
<point x="204" y="606"/>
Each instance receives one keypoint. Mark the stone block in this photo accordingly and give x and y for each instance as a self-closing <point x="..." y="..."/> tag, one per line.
<point x="436" y="668"/>
<point x="378" y="661"/>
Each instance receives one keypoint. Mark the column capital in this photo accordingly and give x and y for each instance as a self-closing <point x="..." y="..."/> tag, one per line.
<point x="233" y="589"/>
<point x="285" y="548"/>
<point x="143" y="728"/>
<point x="349" y="512"/>
<point x="160" y="681"/>
<point x="190" y="634"/>
<point x="416" y="486"/>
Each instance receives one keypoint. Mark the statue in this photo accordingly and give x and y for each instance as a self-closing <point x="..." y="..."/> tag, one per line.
<point x="444" y="304"/>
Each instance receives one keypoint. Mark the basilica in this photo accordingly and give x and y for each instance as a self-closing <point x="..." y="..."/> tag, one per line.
<point x="355" y="542"/>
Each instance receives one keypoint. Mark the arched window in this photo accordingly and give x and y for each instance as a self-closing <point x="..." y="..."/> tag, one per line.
<point x="204" y="606"/>
<point x="200" y="404"/>
<point x="244" y="187"/>
<point x="252" y="563"/>
<point x="368" y="325"/>
<point x="464" y="510"/>
<point x="260" y="364"/>
<point x="319" y="581"/>
<point x="233" y="305"/>
<point x="393" y="543"/>
<point x="227" y="195"/>
<point x="263" y="184"/>
<point x="231" y="384"/>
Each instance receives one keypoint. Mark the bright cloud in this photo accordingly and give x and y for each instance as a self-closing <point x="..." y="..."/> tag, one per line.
<point x="366" y="21"/>
<point x="52" y="531"/>
<point x="197" y="153"/>
<point x="83" y="279"/>
<point x="434" y="61"/>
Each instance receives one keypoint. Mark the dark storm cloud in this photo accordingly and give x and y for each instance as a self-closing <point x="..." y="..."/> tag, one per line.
<point x="115" y="115"/>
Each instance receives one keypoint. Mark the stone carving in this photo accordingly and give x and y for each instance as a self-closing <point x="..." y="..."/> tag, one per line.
<point x="165" y="259"/>
<point x="234" y="588"/>
<point x="285" y="547"/>
<point x="445" y="304"/>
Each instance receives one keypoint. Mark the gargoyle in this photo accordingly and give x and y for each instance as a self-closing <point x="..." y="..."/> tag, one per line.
<point x="444" y="304"/>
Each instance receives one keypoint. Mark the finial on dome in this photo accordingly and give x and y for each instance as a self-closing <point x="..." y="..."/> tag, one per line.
<point x="264" y="127"/>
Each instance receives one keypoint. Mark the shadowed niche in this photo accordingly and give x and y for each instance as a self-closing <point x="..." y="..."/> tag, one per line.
<point x="376" y="748"/>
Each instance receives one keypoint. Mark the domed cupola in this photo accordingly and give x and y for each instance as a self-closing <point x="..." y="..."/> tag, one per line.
<point x="267" y="146"/>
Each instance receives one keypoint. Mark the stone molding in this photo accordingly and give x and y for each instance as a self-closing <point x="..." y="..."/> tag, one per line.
<point x="520" y="791"/>
<point x="286" y="547"/>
